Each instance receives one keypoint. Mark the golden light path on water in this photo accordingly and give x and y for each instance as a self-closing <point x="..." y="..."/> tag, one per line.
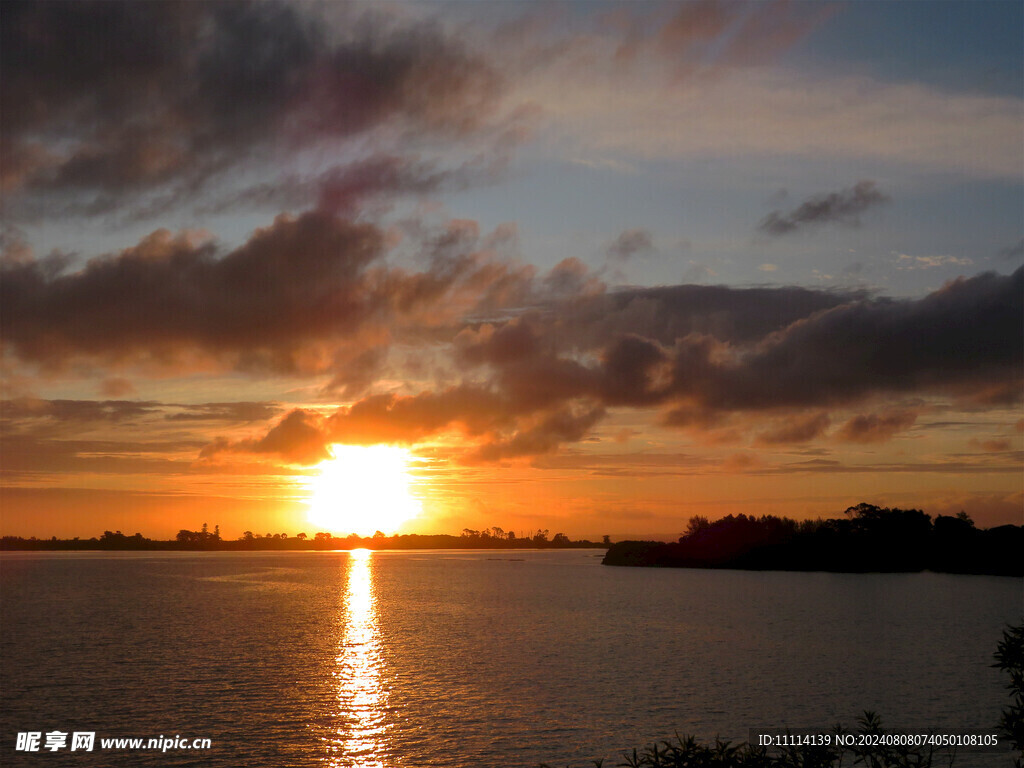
<point x="362" y="698"/>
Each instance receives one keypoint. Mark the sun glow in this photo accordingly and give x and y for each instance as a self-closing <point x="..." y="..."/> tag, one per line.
<point x="363" y="489"/>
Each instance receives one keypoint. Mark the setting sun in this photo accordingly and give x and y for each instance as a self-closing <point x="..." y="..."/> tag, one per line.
<point x="363" y="489"/>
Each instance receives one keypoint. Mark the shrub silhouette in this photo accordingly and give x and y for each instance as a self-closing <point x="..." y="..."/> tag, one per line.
<point x="1010" y="658"/>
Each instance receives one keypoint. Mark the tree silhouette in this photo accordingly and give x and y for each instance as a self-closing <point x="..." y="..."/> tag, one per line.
<point x="868" y="538"/>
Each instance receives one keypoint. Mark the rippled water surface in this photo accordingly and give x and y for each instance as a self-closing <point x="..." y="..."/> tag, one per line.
<point x="504" y="658"/>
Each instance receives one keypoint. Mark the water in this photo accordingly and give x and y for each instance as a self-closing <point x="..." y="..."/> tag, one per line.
<point x="484" y="659"/>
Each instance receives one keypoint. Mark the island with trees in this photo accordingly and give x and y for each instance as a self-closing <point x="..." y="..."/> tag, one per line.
<point x="867" y="538"/>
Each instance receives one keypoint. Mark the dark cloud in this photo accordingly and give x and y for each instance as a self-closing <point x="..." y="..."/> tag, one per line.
<point x="508" y="423"/>
<point x="458" y="257"/>
<point x="298" y="438"/>
<point x="526" y="366"/>
<point x="342" y="190"/>
<point x="567" y="425"/>
<point x="631" y="243"/>
<point x="633" y="371"/>
<point x="965" y="337"/>
<point x="307" y="294"/>
<point x="101" y="99"/>
<point x="24" y="409"/>
<point x="349" y="189"/>
<point x="353" y="376"/>
<point x="665" y="314"/>
<point x="299" y="278"/>
<point x="963" y="340"/>
<point x="798" y="428"/>
<point x="77" y="410"/>
<point x="570" y="278"/>
<point x="650" y="465"/>
<point x="530" y="385"/>
<point x="1015" y="251"/>
<point x="303" y="437"/>
<point x="406" y="419"/>
<point x="14" y="248"/>
<point x="236" y="413"/>
<point x="518" y="339"/>
<point x="876" y="428"/>
<point x="545" y="381"/>
<point x="843" y="207"/>
<point x="629" y="464"/>
<point x="986" y="464"/>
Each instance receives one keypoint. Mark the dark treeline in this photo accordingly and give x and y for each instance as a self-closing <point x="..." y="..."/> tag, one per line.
<point x="866" y="539"/>
<point x="206" y="540"/>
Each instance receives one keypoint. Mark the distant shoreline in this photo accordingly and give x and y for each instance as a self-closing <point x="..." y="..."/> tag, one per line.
<point x="197" y="542"/>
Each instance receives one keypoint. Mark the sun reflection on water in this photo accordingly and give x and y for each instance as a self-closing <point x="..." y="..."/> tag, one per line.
<point x="362" y="698"/>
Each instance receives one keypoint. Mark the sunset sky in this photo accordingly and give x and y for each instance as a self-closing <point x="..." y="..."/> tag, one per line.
<point x="599" y="267"/>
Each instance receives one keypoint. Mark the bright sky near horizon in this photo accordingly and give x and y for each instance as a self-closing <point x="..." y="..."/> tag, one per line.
<point x="594" y="267"/>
